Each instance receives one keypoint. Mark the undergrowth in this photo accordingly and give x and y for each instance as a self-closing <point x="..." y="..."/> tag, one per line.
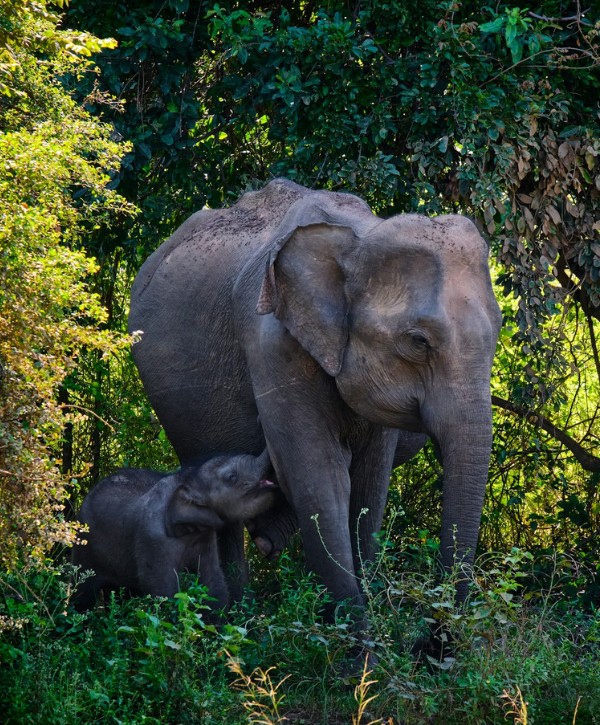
<point x="514" y="653"/>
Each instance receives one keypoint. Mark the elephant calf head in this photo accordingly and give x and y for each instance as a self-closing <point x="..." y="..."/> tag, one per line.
<point x="222" y="490"/>
<point x="145" y="527"/>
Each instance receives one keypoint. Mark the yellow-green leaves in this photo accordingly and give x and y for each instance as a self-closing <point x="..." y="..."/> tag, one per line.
<point x="50" y="149"/>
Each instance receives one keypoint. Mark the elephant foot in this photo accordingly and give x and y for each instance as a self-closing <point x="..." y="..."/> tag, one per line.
<point x="266" y="547"/>
<point x="272" y="531"/>
<point x="434" y="649"/>
<point x="358" y="662"/>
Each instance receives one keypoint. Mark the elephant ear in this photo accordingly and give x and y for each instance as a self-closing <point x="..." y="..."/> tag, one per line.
<point x="304" y="287"/>
<point x="184" y="515"/>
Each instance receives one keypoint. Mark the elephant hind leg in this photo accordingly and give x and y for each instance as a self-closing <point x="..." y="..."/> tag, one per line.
<point x="87" y="592"/>
<point x="232" y="557"/>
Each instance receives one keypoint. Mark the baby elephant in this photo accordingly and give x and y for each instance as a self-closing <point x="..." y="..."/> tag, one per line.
<point x="146" y="526"/>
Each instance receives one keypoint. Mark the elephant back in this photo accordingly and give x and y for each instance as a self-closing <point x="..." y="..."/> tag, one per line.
<point x="226" y="237"/>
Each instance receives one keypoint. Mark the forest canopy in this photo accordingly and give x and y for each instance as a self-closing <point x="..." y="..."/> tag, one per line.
<point x="107" y="145"/>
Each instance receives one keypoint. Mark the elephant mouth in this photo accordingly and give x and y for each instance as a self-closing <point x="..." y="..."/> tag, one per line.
<point x="264" y="485"/>
<point x="408" y="418"/>
<point x="384" y="409"/>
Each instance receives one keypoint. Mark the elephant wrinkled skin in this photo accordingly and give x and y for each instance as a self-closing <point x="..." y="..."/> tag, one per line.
<point x="145" y="526"/>
<point x="351" y="337"/>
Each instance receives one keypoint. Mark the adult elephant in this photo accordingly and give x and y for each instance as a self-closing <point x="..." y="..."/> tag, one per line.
<point x="334" y="328"/>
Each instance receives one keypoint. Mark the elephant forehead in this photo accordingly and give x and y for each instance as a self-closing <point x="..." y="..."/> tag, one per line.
<point x="449" y="233"/>
<point x="418" y="291"/>
<point x="411" y="255"/>
<point x="383" y="275"/>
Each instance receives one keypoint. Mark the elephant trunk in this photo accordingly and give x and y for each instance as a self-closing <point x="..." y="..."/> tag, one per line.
<point x="465" y="446"/>
<point x="262" y="465"/>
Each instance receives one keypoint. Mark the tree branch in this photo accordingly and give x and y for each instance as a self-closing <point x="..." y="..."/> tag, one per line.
<point x="593" y="342"/>
<point x="572" y="287"/>
<point x="578" y="18"/>
<point x="587" y="460"/>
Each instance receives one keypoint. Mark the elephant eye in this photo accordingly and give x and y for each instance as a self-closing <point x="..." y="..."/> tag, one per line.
<point x="232" y="477"/>
<point x="419" y="341"/>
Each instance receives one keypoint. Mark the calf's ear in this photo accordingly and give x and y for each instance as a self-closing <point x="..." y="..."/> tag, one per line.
<point x="186" y="515"/>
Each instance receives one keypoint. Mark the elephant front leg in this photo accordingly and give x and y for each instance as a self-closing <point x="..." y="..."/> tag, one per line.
<point x="322" y="506"/>
<point x="302" y="417"/>
<point x="312" y="471"/>
<point x="372" y="461"/>
<point x="203" y="557"/>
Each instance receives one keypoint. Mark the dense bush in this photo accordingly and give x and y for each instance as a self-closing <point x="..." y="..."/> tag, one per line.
<point x="145" y="660"/>
<point x="55" y="164"/>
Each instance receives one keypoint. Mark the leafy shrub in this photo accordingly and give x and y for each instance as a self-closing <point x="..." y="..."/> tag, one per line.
<point x="55" y="164"/>
<point x="162" y="660"/>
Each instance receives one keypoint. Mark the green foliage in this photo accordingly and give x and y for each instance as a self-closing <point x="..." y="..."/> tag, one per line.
<point x="152" y="74"/>
<point x="538" y="496"/>
<point x="142" y="660"/>
<point x="162" y="660"/>
<point x="459" y="107"/>
<point x="51" y="152"/>
<point x="33" y="24"/>
<point x="146" y="93"/>
<point x="310" y="104"/>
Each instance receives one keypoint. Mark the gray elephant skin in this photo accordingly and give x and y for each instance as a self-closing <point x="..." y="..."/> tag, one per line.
<point x="146" y="526"/>
<point x="350" y="337"/>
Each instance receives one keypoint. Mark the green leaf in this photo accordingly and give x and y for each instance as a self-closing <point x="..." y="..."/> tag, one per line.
<point x="494" y="26"/>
